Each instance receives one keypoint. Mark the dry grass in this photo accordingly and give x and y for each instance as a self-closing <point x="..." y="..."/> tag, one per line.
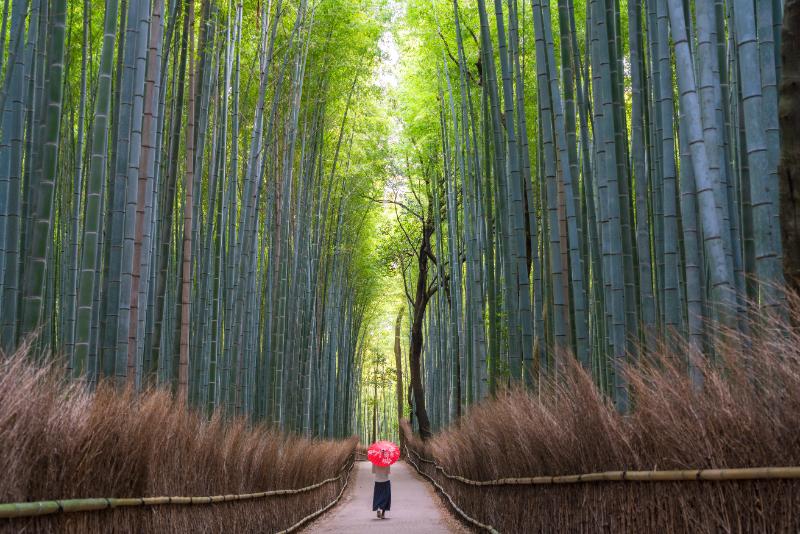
<point x="747" y="414"/>
<point x="58" y="441"/>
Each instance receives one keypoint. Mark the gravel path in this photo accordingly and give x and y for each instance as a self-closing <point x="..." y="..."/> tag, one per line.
<point x="415" y="509"/>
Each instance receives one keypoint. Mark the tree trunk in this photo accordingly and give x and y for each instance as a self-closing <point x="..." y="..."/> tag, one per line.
<point x="789" y="113"/>
<point x="420" y="302"/>
<point x="398" y="359"/>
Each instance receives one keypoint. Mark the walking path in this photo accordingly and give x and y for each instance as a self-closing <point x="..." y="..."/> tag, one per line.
<point x="415" y="508"/>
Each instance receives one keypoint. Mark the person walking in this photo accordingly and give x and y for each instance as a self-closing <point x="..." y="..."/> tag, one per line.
<point x="382" y="496"/>
<point x="382" y="454"/>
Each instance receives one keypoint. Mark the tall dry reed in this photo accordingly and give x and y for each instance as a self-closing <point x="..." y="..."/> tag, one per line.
<point x="59" y="441"/>
<point x="745" y="414"/>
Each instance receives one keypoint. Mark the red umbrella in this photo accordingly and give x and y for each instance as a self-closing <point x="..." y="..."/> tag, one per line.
<point x="383" y="453"/>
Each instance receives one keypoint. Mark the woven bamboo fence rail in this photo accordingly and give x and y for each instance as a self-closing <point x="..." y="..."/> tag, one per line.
<point x="40" y="508"/>
<point x="747" y="473"/>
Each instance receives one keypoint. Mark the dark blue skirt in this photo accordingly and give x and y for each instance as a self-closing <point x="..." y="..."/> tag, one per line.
<point x="382" y="498"/>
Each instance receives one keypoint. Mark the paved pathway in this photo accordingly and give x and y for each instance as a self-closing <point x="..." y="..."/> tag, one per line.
<point x="415" y="508"/>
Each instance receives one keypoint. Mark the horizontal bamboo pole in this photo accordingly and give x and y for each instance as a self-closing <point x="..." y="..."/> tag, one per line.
<point x="39" y="508"/>
<point x="679" y="475"/>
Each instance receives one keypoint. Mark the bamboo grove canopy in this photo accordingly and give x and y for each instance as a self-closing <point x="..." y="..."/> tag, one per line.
<point x="188" y="192"/>
<point x="181" y="197"/>
<point x="604" y="175"/>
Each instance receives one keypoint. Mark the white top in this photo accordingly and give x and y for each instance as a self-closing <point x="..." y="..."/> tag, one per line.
<point x="381" y="473"/>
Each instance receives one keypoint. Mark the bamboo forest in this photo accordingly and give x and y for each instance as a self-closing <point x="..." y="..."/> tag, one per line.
<point x="551" y="248"/>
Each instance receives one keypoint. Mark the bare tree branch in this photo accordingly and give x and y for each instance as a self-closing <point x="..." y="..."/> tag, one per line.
<point x="432" y="257"/>
<point x="406" y="207"/>
<point x="403" y="229"/>
<point x="405" y="282"/>
<point x="435" y="286"/>
<point x="408" y="173"/>
<point x="455" y="60"/>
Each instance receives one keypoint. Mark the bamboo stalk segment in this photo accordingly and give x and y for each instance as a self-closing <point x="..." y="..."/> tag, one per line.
<point x="150" y="501"/>
<point x="133" y="501"/>
<point x="28" y="509"/>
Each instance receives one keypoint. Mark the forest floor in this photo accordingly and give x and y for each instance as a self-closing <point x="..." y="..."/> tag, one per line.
<point x="415" y="507"/>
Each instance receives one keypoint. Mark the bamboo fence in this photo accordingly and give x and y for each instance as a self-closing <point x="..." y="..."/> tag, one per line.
<point x="676" y="475"/>
<point x="462" y="513"/>
<point x="685" y="475"/>
<point x="40" y="508"/>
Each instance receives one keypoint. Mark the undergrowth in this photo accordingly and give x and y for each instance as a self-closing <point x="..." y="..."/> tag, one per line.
<point x="745" y="412"/>
<point x="60" y="441"/>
